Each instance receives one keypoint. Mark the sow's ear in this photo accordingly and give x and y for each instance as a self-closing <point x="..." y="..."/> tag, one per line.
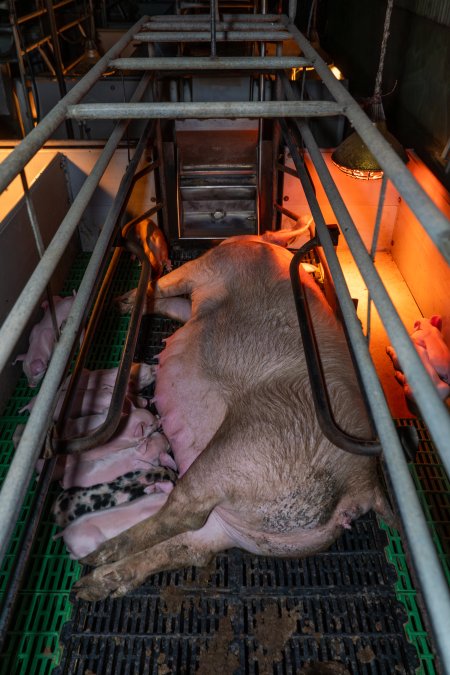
<point x="436" y="321"/>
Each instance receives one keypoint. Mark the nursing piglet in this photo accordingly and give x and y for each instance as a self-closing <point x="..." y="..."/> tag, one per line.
<point x="235" y="402"/>
<point x="141" y="376"/>
<point x="107" y="463"/>
<point x="42" y="340"/>
<point x="434" y="353"/>
<point x="90" y="402"/>
<point x="88" y="532"/>
<point x="76" y="501"/>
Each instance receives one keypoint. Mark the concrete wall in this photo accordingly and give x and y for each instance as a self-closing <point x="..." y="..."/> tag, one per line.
<point x="18" y="252"/>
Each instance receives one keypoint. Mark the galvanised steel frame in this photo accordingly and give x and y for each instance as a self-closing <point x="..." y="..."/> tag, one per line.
<point x="257" y="28"/>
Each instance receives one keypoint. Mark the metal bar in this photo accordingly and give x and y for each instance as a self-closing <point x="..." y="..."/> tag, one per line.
<point x="319" y="391"/>
<point x="220" y="25"/>
<point x="22" y="154"/>
<point x="57" y="431"/>
<point x="426" y="397"/>
<point x="16" y="482"/>
<point x="429" y="571"/>
<point x="16" y="321"/>
<point x="286" y="212"/>
<point x="45" y="40"/>
<point x="39" y="246"/>
<point x="27" y="118"/>
<point x="71" y="24"/>
<point x="104" y="432"/>
<point x="292" y="11"/>
<point x="213" y="27"/>
<point x="373" y="247"/>
<point x="28" y="17"/>
<point x="52" y="438"/>
<point x="203" y="110"/>
<point x="204" y="18"/>
<point x="58" y="60"/>
<point x="205" y="36"/>
<point x="432" y="219"/>
<point x="207" y="63"/>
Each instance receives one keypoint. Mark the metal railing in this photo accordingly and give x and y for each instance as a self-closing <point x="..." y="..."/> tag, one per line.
<point x="293" y="114"/>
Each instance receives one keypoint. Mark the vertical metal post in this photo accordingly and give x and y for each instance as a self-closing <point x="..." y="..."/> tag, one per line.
<point x="373" y="248"/>
<point x="39" y="245"/>
<point x="27" y="118"/>
<point x="212" y="18"/>
<point x="58" y="60"/>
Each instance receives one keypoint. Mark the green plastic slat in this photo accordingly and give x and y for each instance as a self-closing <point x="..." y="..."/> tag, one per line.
<point x="32" y="644"/>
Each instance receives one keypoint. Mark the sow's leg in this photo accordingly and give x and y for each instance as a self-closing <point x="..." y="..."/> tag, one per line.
<point x="190" y="548"/>
<point x="184" y="532"/>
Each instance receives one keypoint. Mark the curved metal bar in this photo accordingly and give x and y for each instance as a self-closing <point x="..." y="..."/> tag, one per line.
<point x="322" y="405"/>
<point x="104" y="432"/>
<point x="66" y="407"/>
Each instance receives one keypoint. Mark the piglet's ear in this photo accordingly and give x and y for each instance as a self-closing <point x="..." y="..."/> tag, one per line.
<point x="417" y="325"/>
<point x="436" y="321"/>
<point x="21" y="357"/>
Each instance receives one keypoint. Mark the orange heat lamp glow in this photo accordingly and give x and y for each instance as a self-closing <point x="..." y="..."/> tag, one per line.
<point x="354" y="158"/>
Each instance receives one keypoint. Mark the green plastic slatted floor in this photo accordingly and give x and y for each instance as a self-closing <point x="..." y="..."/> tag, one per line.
<point x="33" y="645"/>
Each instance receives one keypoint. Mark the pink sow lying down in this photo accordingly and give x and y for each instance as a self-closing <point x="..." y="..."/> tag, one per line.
<point x="235" y="404"/>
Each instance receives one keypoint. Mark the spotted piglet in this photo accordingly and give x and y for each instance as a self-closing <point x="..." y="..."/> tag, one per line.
<point x="75" y="502"/>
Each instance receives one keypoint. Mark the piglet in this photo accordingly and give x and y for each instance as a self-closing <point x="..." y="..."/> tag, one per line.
<point x="86" y="533"/>
<point x="434" y="353"/>
<point x="137" y="424"/>
<point x="141" y="376"/>
<point x="89" y="402"/>
<point x="42" y="340"/>
<point x="74" y="502"/>
<point x="101" y="465"/>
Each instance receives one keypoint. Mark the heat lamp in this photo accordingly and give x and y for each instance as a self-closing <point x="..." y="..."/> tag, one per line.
<point x="353" y="156"/>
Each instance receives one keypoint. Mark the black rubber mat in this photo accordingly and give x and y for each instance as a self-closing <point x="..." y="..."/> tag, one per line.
<point x="254" y="615"/>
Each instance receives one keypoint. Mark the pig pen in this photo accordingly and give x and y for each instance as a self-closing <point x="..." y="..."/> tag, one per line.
<point x="360" y="607"/>
<point x="353" y="607"/>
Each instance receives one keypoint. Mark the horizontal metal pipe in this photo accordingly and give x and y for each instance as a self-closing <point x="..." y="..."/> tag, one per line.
<point x="204" y="18"/>
<point x="205" y="36"/>
<point x="220" y="25"/>
<point x="203" y="110"/>
<point x="17" y="319"/>
<point x="207" y="63"/>
<point x="16" y="483"/>
<point x="33" y="142"/>
<point x="429" y="570"/>
<point x="432" y="219"/>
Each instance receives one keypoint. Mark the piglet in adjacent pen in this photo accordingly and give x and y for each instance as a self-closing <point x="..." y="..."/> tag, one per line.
<point x="434" y="353"/>
<point x="235" y="402"/>
<point x="42" y="340"/>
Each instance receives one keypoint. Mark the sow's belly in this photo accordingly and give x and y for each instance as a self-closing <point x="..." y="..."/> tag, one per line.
<point x="190" y="406"/>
